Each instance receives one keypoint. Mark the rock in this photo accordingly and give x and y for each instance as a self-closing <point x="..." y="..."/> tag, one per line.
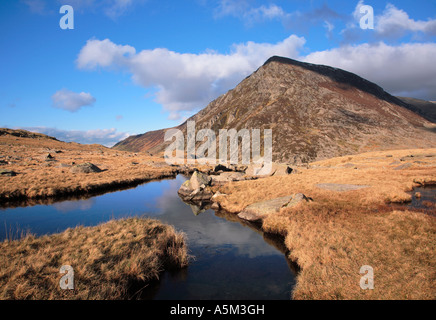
<point x="185" y="189"/>
<point x="259" y="210"/>
<point x="281" y="169"/>
<point x="196" y="189"/>
<point x="7" y="173"/>
<point x="276" y="169"/>
<point x="403" y="166"/>
<point x="226" y="177"/>
<point x="48" y="157"/>
<point x="417" y="195"/>
<point x="198" y="178"/>
<point x="215" y="206"/>
<point x="85" y="168"/>
<point x="340" y="187"/>
<point x="253" y="169"/>
<point x="216" y="195"/>
<point x="221" y="167"/>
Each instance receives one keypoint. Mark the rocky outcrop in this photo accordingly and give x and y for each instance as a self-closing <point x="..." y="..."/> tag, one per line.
<point x="259" y="210"/>
<point x="85" y="168"/>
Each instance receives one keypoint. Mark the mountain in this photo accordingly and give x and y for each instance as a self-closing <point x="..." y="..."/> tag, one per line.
<point x="315" y="112"/>
<point x="425" y="108"/>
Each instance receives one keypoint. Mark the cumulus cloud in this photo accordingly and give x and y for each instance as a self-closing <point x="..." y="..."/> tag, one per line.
<point x="392" y="23"/>
<point x="71" y="101"/>
<point x="106" y="137"/>
<point x="407" y="69"/>
<point x="185" y="81"/>
<point x="395" y="22"/>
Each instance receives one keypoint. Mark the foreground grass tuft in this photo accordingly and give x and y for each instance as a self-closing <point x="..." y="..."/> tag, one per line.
<point x="110" y="261"/>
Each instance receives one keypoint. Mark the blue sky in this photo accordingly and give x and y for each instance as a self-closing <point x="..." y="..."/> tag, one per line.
<point x="130" y="66"/>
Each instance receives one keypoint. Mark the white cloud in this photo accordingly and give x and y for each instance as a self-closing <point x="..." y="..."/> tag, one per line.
<point x="407" y="69"/>
<point x="392" y="23"/>
<point x="106" y="137"/>
<point x="185" y="81"/>
<point x="71" y="101"/>
<point x="103" y="53"/>
<point x="396" y="22"/>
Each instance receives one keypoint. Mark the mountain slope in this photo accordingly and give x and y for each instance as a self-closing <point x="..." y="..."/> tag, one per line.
<point x="425" y="108"/>
<point x="315" y="112"/>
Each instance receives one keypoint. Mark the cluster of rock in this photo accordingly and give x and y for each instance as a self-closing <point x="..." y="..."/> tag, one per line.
<point x="198" y="192"/>
<point x="198" y="187"/>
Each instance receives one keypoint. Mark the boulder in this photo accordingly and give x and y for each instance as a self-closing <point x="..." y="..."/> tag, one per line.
<point x="280" y="169"/>
<point x="85" y="168"/>
<point x="260" y="210"/>
<point x="198" y="179"/>
<point x="197" y="188"/>
<point x="276" y="169"/>
<point x="226" y="177"/>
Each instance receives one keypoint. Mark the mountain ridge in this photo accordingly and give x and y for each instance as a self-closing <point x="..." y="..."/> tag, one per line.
<point x="315" y="111"/>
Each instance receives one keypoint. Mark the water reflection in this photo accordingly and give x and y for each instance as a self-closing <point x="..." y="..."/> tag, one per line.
<point x="67" y="206"/>
<point x="233" y="259"/>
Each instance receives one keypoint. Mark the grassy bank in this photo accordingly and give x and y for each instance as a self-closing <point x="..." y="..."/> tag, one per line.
<point x="110" y="261"/>
<point x="39" y="177"/>
<point x="339" y="232"/>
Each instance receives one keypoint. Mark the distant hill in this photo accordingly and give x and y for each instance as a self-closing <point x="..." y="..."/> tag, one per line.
<point x="425" y="108"/>
<point x="315" y="112"/>
<point x="24" y="134"/>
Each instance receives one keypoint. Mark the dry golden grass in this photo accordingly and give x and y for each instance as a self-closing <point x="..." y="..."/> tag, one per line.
<point x="39" y="179"/>
<point x="110" y="261"/>
<point x="374" y="169"/>
<point x="332" y="237"/>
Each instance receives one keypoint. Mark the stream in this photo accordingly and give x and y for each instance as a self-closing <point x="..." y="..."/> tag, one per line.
<point x="233" y="259"/>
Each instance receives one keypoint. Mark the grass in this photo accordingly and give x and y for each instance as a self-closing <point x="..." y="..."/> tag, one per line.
<point x="114" y="260"/>
<point x="331" y="241"/>
<point x="40" y="179"/>
<point x="330" y="238"/>
<point x="339" y="232"/>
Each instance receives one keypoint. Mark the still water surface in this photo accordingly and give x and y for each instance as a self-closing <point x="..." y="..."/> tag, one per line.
<point x="233" y="260"/>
